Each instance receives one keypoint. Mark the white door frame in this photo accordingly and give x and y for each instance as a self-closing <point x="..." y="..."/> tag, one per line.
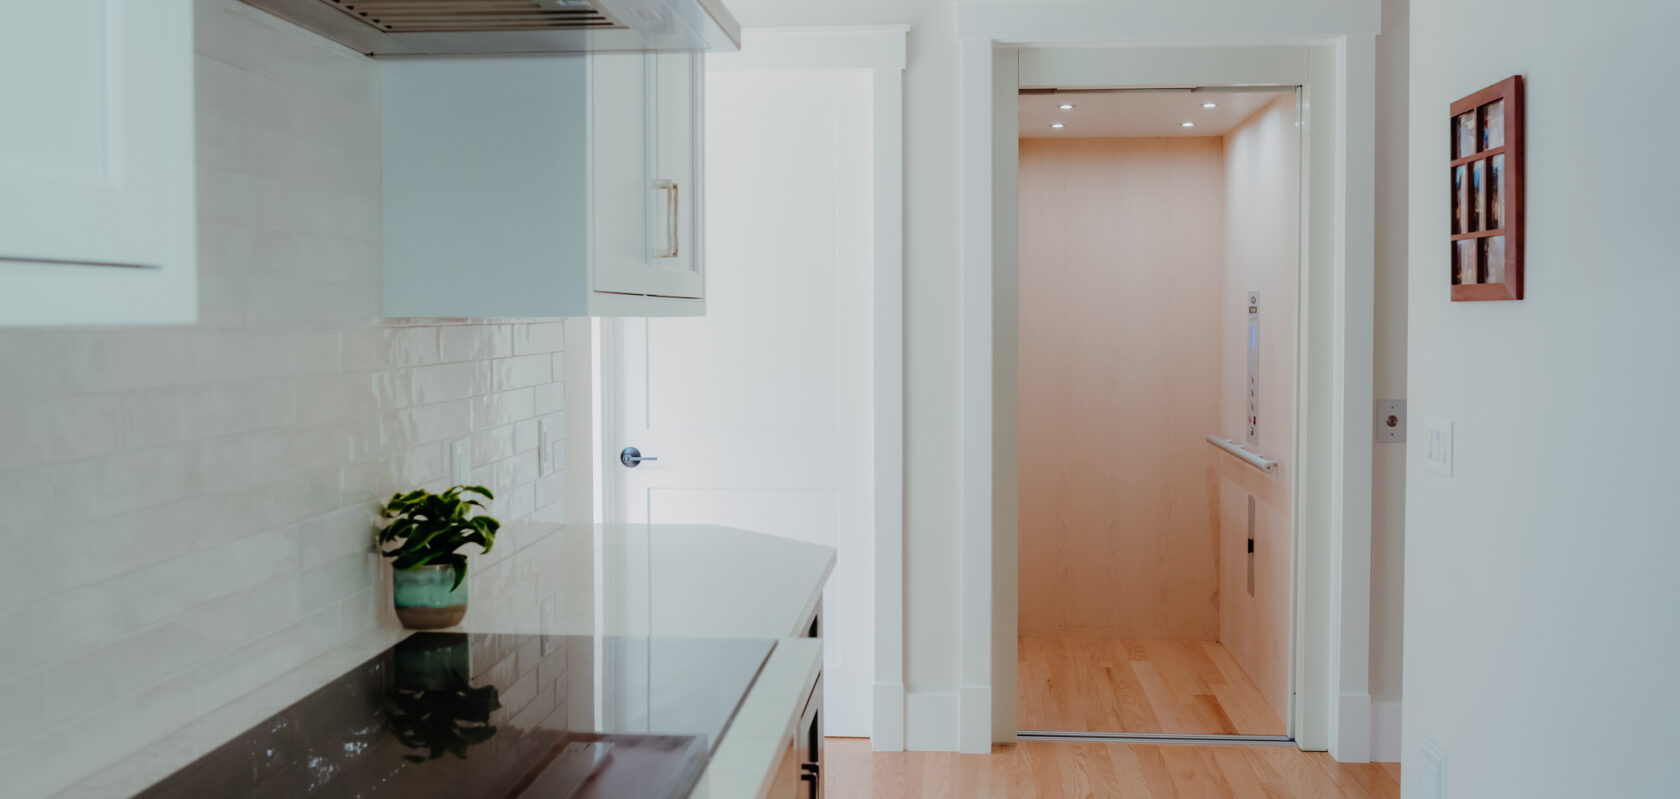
<point x="1331" y="706"/>
<point x="882" y="51"/>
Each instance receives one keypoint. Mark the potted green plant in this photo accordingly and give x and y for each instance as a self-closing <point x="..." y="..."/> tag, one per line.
<point x="429" y="572"/>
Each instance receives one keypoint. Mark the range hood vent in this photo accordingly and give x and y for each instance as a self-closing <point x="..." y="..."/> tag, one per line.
<point x="444" y="16"/>
<point x="381" y="28"/>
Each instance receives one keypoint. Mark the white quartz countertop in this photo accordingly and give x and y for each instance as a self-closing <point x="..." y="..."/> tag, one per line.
<point x="631" y="580"/>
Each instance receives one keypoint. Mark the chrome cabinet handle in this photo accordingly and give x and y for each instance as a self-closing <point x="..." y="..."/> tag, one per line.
<point x="632" y="457"/>
<point x="673" y="205"/>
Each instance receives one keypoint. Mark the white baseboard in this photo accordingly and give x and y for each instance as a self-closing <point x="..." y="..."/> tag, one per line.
<point x="1385" y="732"/>
<point x="975" y="736"/>
<point x="1351" y="740"/>
<point x="930" y="721"/>
<point x="887" y="734"/>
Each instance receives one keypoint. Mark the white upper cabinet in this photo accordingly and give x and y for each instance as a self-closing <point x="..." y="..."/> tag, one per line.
<point x="97" y="214"/>
<point x="543" y="186"/>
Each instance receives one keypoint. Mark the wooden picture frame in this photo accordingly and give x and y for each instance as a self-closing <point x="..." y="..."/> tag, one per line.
<point x="1486" y="176"/>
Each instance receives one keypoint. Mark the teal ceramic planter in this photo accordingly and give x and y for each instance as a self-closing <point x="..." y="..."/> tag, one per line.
<point x="426" y="598"/>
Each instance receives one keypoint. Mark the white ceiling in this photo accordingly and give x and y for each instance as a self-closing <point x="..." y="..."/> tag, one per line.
<point x="1134" y="114"/>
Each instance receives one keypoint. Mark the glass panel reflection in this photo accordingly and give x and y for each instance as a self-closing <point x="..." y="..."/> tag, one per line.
<point x="1493" y="256"/>
<point x="1464" y="139"/>
<point x="1478" y="194"/>
<point x="1496" y="193"/>
<point x="1460" y="202"/>
<point x="1493" y="125"/>
<point x="1464" y="272"/>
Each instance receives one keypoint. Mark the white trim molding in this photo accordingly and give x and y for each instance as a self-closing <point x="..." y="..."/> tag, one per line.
<point x="1152" y="22"/>
<point x="877" y="47"/>
<point x="882" y="50"/>
<point x="930" y="721"/>
<point x="1327" y="48"/>
<point x="1352" y="397"/>
<point x="1385" y="732"/>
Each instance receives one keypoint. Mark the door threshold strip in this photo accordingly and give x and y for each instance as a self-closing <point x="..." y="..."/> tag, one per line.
<point x="1157" y="738"/>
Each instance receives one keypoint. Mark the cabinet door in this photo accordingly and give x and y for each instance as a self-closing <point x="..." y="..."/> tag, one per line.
<point x="677" y="233"/>
<point x="96" y="161"/>
<point x="620" y="184"/>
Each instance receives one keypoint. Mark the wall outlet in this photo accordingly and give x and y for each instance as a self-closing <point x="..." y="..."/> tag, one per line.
<point x="460" y="461"/>
<point x="1438" y="452"/>
<point x="1428" y="779"/>
<point x="545" y="449"/>
<point x="1391" y="421"/>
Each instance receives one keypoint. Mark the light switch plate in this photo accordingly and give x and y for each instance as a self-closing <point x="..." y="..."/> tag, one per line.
<point x="545" y="449"/>
<point x="1391" y="421"/>
<point x="460" y="461"/>
<point x="1438" y="449"/>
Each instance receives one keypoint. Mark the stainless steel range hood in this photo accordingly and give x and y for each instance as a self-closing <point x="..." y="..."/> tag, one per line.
<point x="485" y="27"/>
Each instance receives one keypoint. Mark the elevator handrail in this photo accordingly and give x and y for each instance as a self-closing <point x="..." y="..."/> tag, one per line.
<point x="1254" y="459"/>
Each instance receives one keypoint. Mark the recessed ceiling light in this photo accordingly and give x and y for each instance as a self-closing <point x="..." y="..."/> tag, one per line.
<point x="1066" y="106"/>
<point x="1057" y="125"/>
<point x="1210" y="105"/>
<point x="1187" y="124"/>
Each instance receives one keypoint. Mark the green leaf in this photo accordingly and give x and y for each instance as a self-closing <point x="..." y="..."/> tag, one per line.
<point x="460" y="574"/>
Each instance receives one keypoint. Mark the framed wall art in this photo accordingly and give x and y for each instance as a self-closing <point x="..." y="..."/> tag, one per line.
<point x="1487" y="194"/>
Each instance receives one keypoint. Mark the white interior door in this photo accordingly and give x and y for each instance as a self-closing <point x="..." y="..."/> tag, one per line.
<point x="760" y="412"/>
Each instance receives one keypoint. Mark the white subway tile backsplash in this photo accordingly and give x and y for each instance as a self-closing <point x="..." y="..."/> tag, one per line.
<point x="202" y="500"/>
<point x="475" y="342"/>
<point x="343" y="532"/>
<point x="448" y="381"/>
<point x="525" y="435"/>
<point x="276" y="105"/>
<point x="60" y="430"/>
<point x="37" y="767"/>
<point x="550" y="398"/>
<point x="51" y="629"/>
<point x="387" y="347"/>
<point x="176" y="585"/>
<point x="339" y="579"/>
<point x="540" y="338"/>
<point x="522" y="371"/>
<point x="489" y="446"/>
<point x="99" y="487"/>
<point x="81" y="684"/>
<point x="502" y="408"/>
<point x="20" y="699"/>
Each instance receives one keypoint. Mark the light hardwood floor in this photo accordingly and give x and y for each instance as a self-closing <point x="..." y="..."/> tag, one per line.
<point x="1104" y="685"/>
<point x="1064" y="770"/>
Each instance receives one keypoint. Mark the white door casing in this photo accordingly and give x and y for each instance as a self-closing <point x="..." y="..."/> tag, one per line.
<point x="1333" y="530"/>
<point x="762" y="412"/>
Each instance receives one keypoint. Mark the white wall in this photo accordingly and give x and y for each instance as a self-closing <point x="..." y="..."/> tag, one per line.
<point x="1541" y="638"/>
<point x="933" y="281"/>
<point x="932" y="369"/>
<point x="192" y="508"/>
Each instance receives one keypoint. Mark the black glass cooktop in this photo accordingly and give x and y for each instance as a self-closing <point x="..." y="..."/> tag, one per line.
<point x="470" y="715"/>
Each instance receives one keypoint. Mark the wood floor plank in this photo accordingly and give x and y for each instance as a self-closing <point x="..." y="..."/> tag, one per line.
<point x="1106" y="685"/>
<point x="1065" y="770"/>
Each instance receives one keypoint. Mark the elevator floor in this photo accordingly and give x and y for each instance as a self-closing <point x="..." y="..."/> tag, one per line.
<point x="1104" y="685"/>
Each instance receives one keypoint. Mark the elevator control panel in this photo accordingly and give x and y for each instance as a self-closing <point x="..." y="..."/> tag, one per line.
<point x="1253" y="369"/>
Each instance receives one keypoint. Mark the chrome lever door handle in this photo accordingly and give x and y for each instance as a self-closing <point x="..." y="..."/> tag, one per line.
<point x="632" y="457"/>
